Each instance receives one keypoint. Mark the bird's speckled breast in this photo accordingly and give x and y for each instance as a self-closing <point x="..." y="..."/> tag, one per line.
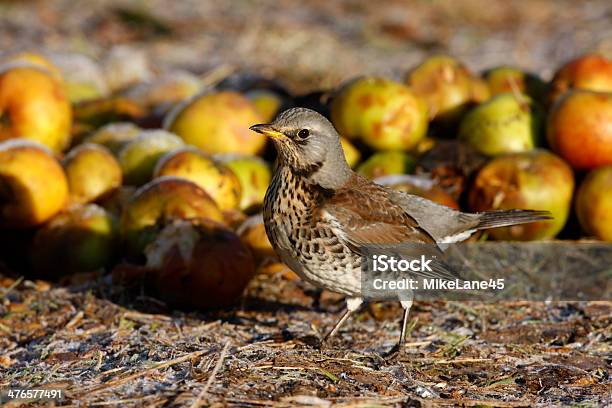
<point x="303" y="240"/>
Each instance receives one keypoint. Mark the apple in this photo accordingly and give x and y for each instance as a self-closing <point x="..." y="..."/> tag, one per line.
<point x="594" y="203"/>
<point x="33" y="185"/>
<point x="81" y="239"/>
<point x="383" y="114"/>
<point x="34" y="106"/>
<point x="450" y="163"/>
<point x="114" y="136"/>
<point x="589" y="72"/>
<point x="92" y="172"/>
<point x="445" y="84"/>
<point x="158" y="203"/>
<point x="506" y="123"/>
<point x="199" y="264"/>
<point x="536" y="180"/>
<point x="210" y="175"/>
<point x="507" y="79"/>
<point x="139" y="157"/>
<point x="384" y="163"/>
<point x="217" y="122"/>
<point x="254" y="176"/>
<point x="580" y="128"/>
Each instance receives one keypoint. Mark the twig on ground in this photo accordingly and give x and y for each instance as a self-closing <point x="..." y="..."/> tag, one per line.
<point x="198" y="401"/>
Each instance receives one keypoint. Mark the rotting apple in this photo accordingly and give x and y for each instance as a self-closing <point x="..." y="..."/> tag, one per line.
<point x="210" y="175"/>
<point x="536" y="180"/>
<point x="199" y="264"/>
<point x="159" y="202"/>
<point x="33" y="185"/>
<point x="92" y="172"/>
<point x="383" y="114"/>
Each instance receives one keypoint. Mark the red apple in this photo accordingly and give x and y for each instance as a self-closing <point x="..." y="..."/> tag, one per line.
<point x="580" y="129"/>
<point x="594" y="203"/>
<point x="590" y="72"/>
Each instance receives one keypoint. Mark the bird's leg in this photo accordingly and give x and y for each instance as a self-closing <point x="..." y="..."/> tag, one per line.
<point x="406" y="305"/>
<point x="397" y="349"/>
<point x="352" y="305"/>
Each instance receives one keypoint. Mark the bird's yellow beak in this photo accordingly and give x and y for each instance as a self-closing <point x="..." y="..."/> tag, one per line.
<point x="268" y="130"/>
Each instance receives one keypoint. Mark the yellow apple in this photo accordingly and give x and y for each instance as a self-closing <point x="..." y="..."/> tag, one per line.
<point x="384" y="114"/>
<point x="212" y="176"/>
<point x="218" y="122"/>
<point x="254" y="176"/>
<point x="158" y="203"/>
<point x="33" y="185"/>
<point x="92" y="172"/>
<point x="139" y="157"/>
<point x="33" y="105"/>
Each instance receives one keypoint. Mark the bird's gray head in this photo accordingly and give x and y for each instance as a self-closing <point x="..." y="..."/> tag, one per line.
<point x="309" y="145"/>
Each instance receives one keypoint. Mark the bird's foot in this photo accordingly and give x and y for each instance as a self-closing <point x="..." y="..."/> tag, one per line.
<point x="394" y="354"/>
<point x="312" y="341"/>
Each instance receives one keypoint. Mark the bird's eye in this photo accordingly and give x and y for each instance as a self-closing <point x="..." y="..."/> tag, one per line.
<point x="303" y="134"/>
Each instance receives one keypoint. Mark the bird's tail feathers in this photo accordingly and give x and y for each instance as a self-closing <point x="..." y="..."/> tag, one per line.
<point x="504" y="218"/>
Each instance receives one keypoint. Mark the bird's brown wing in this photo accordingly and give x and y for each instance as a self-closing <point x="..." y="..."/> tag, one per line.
<point x="363" y="215"/>
<point x="366" y="216"/>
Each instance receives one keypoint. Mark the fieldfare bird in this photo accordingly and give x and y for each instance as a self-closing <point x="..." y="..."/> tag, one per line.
<point x="320" y="215"/>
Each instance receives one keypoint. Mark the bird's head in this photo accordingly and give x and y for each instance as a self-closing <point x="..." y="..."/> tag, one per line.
<point x="309" y="145"/>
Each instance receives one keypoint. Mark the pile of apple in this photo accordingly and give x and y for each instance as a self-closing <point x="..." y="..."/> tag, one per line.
<point x="102" y="165"/>
<point x="502" y="140"/>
